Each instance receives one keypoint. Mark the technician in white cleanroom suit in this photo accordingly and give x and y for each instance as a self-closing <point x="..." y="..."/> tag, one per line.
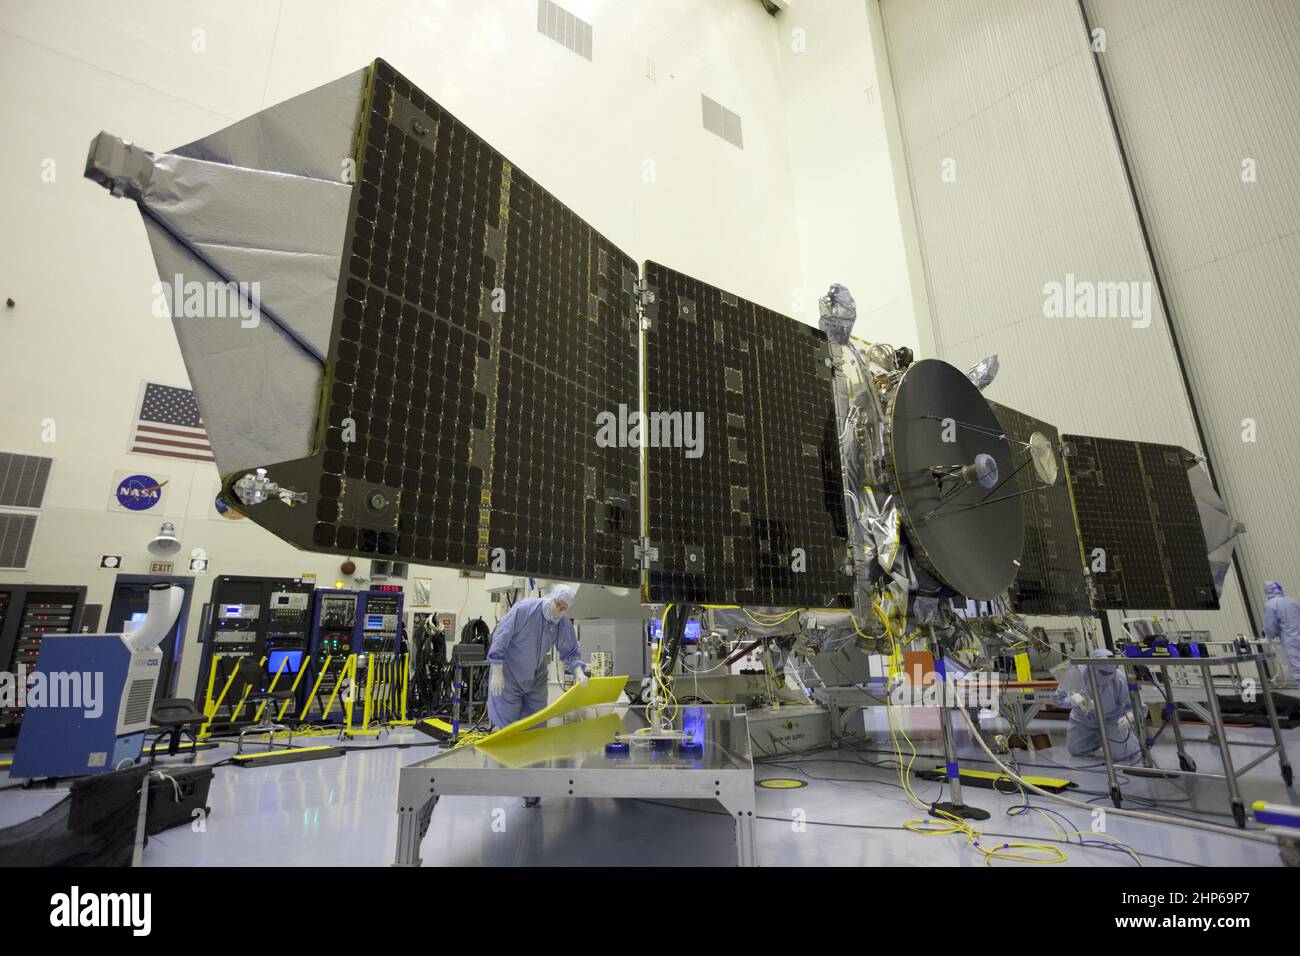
<point x="1282" y="620"/>
<point x="1084" y="734"/>
<point x="520" y="644"/>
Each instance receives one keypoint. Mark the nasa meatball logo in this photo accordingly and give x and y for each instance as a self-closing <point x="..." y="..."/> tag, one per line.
<point x="139" y="492"/>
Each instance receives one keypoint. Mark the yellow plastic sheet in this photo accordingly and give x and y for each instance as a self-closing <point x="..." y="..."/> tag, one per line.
<point x="598" y="690"/>
<point x="548" y="743"/>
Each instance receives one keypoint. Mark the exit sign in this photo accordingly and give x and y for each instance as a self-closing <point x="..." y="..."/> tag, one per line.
<point x="161" y="567"/>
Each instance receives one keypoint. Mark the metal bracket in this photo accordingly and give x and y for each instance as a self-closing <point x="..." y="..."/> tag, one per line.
<point x="645" y="553"/>
<point x="647" y="309"/>
<point x="253" y="489"/>
<point x="120" y="167"/>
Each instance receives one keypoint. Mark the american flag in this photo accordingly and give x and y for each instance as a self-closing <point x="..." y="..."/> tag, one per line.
<point x="169" y="425"/>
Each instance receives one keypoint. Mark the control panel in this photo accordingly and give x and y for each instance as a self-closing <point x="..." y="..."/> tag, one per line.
<point x="379" y="629"/>
<point x="235" y="631"/>
<point x="286" y="634"/>
<point x="333" y="629"/>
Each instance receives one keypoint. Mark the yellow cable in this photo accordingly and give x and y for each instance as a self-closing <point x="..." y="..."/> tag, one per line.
<point x="948" y="824"/>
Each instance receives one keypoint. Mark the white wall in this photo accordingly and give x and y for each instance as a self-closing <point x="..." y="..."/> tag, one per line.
<point x="81" y="337"/>
<point x="1199" y="89"/>
<point x="845" y="204"/>
<point x="1006" y="95"/>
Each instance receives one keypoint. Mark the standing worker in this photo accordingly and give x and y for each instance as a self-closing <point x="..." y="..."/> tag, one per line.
<point x="1282" y="620"/>
<point x="520" y="644"/>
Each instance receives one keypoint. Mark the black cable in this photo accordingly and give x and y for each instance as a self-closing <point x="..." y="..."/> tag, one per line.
<point x="428" y="678"/>
<point x="901" y="829"/>
<point x="1155" y="803"/>
<point x="475" y="632"/>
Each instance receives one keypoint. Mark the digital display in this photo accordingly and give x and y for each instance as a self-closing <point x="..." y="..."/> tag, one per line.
<point x="374" y="622"/>
<point x="292" y="660"/>
<point x="691" y="635"/>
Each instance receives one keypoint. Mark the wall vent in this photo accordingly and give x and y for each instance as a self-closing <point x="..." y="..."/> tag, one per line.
<point x="564" y="28"/>
<point x="23" y="479"/>
<point x="16" y="534"/>
<point x="722" y="121"/>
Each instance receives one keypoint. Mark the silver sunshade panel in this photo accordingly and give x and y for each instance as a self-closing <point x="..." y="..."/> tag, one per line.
<point x="309" y="135"/>
<point x="263" y="204"/>
<point x="256" y="388"/>
<point x="1220" y="527"/>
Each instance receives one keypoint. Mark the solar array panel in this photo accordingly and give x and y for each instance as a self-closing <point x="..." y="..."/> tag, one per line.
<point x="1050" y="579"/>
<point x="755" y="515"/>
<point x="480" y="326"/>
<point x="1139" y="525"/>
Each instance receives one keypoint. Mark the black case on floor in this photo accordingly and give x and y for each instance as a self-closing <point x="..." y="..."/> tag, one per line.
<point x="165" y="810"/>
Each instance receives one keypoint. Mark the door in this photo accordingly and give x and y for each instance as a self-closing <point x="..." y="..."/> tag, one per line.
<point x="130" y="604"/>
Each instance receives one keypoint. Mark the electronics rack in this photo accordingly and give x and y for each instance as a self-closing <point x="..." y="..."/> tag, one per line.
<point x="286" y="640"/>
<point x="250" y="617"/>
<point x="335" y="616"/>
<point x="365" y="623"/>
<point x="28" y="612"/>
<point x="380" y="638"/>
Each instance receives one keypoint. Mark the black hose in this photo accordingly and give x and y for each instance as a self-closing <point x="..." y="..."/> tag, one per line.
<point x="475" y="632"/>
<point x="674" y="629"/>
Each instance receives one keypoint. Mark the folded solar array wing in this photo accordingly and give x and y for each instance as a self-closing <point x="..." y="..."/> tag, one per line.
<point x="756" y="514"/>
<point x="480" y="325"/>
<point x="1139" y="525"/>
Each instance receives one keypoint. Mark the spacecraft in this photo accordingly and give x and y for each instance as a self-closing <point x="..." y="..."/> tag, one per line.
<point x="421" y="339"/>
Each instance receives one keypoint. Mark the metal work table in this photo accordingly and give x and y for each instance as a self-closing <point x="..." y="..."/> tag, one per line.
<point x="1022" y="701"/>
<point x="1218" y="733"/>
<point x="567" y="759"/>
<point x="841" y="701"/>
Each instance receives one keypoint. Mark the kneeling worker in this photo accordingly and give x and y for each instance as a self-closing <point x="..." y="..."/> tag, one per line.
<point x="1087" y="717"/>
